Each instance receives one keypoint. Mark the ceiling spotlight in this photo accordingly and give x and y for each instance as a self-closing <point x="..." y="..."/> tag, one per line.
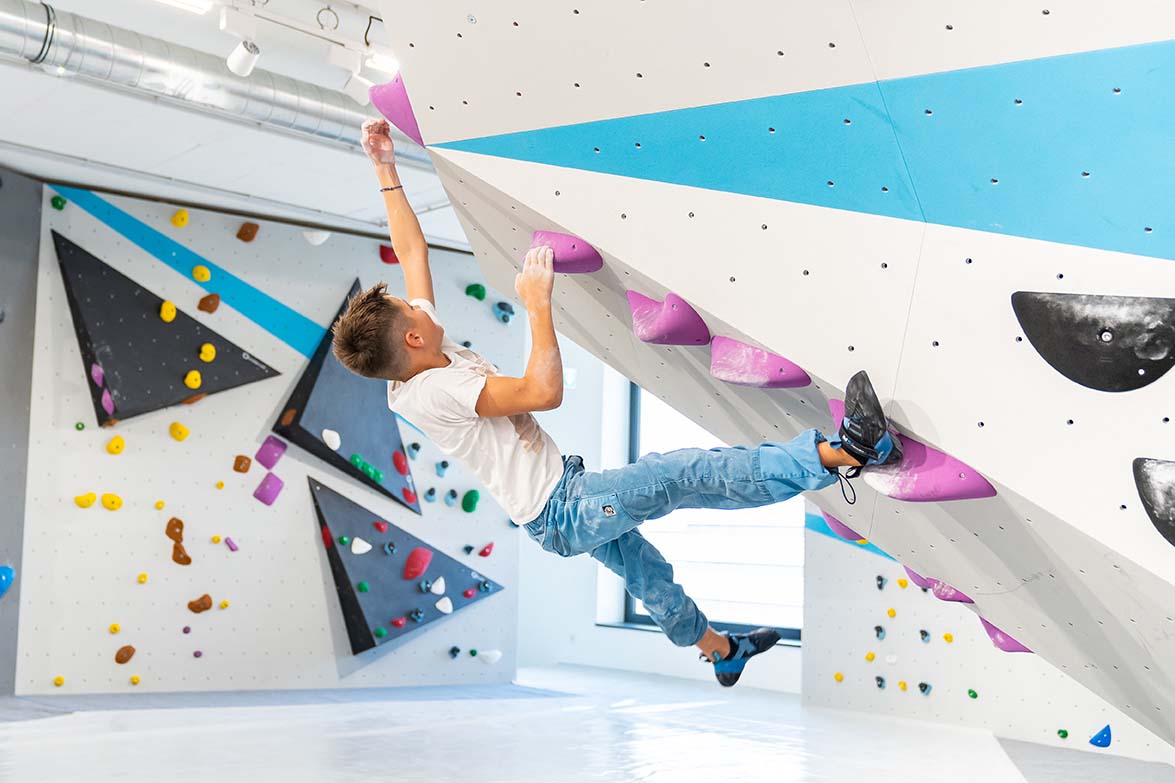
<point x="357" y="89"/>
<point x="243" y="58"/>
<point x="382" y="62"/>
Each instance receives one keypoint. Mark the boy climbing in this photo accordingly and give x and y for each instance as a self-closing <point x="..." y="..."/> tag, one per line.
<point x="475" y="414"/>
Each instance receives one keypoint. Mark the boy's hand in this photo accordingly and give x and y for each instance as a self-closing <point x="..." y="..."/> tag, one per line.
<point x="537" y="278"/>
<point x="377" y="143"/>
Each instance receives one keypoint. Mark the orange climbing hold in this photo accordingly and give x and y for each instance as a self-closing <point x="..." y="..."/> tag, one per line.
<point x="247" y="232"/>
<point x="208" y="303"/>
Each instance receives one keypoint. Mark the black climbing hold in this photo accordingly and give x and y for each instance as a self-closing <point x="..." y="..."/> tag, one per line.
<point x="881" y="581"/>
<point x="1155" y="481"/>
<point x="880" y="682"/>
<point x="925" y="636"/>
<point x="879" y="631"/>
<point x="1108" y="343"/>
<point x="924" y="687"/>
<point x="454" y="652"/>
<point x="468" y="549"/>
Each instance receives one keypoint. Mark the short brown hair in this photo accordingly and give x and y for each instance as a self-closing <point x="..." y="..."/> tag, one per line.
<point x="369" y="336"/>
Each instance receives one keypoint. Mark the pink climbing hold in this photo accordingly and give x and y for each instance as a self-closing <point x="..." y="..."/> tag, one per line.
<point x="841" y="529"/>
<point x="270" y="452"/>
<point x="925" y="474"/>
<point x="107" y="402"/>
<point x="737" y="362"/>
<point x="1002" y="640"/>
<point x="672" y="322"/>
<point x="944" y="592"/>
<point x="919" y="580"/>
<point x="269" y="488"/>
<point x="572" y="254"/>
<point x="97" y="375"/>
<point x="391" y="100"/>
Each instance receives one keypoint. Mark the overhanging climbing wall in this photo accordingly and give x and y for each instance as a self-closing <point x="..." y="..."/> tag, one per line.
<point x="917" y="194"/>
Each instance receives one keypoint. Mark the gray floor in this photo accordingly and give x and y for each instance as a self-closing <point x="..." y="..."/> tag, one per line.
<point x="563" y="724"/>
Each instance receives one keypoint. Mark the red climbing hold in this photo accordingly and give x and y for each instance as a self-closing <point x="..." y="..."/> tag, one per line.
<point x="391" y="100"/>
<point x="572" y="254"/>
<point x="401" y="462"/>
<point x="399" y="622"/>
<point x="409" y="495"/>
<point x="672" y="322"/>
<point x="469" y="593"/>
<point x="417" y="563"/>
<point x="741" y="364"/>
<point x="327" y="538"/>
<point x="388" y="255"/>
<point x="380" y="526"/>
<point x="487" y="550"/>
<point x="925" y="474"/>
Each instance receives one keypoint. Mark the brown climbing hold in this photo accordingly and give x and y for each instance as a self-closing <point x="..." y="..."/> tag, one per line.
<point x="175" y="530"/>
<point x="201" y="604"/>
<point x="241" y="463"/>
<point x="180" y="555"/>
<point x="124" y="654"/>
<point x="247" y="232"/>
<point x="194" y="399"/>
<point x="288" y="417"/>
<point x="209" y="303"/>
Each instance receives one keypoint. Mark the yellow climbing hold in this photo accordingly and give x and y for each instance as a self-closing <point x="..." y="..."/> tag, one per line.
<point x="862" y="541"/>
<point x="207" y="352"/>
<point x="948" y="638"/>
<point x="178" y="431"/>
<point x="111" y="502"/>
<point x="193" y="380"/>
<point x="135" y="679"/>
<point x="115" y="445"/>
<point x="901" y="685"/>
<point x="224" y="604"/>
<point x="180" y="218"/>
<point x="167" y="312"/>
<point x="838" y="677"/>
<point x="869" y="656"/>
<point x="59" y="681"/>
<point x="201" y="274"/>
<point x="159" y="504"/>
<point x="142" y="579"/>
<point x="115" y="628"/>
<point x="891" y="612"/>
<point x="903" y="583"/>
<point x="86" y="500"/>
<point x="216" y="539"/>
<point x="220" y="485"/>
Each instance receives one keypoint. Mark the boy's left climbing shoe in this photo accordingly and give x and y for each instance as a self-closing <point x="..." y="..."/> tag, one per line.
<point x="743" y="646"/>
<point x="865" y="433"/>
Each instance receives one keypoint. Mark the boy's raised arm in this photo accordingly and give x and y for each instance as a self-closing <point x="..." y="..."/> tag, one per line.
<point x="403" y="227"/>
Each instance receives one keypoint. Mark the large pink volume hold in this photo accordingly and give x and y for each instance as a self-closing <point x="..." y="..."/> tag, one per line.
<point x="1002" y="640"/>
<point x="672" y="322"/>
<point x="742" y="364"/>
<point x="572" y="255"/>
<point x="391" y="100"/>
<point x="925" y="474"/>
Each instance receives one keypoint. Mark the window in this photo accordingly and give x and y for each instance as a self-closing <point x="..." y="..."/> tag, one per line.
<point x="743" y="568"/>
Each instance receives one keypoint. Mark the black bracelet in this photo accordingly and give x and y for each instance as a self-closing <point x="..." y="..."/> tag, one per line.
<point x="386" y="190"/>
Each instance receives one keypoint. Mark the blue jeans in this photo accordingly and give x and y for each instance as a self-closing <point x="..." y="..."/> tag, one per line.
<point x="599" y="512"/>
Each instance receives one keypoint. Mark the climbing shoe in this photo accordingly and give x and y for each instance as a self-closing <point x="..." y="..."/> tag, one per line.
<point x="743" y="646"/>
<point x="865" y="433"/>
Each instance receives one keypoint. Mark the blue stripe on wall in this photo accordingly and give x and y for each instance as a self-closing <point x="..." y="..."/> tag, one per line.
<point x="283" y="322"/>
<point x="816" y="523"/>
<point x="936" y="166"/>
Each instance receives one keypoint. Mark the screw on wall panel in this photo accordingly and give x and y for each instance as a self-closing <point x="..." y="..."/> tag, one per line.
<point x="471" y="19"/>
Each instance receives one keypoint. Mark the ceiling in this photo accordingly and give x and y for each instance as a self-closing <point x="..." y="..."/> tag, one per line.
<point x="59" y="127"/>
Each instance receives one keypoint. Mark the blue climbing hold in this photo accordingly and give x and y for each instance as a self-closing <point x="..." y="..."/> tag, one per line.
<point x="431" y="495"/>
<point x="7" y="577"/>
<point x="1102" y="739"/>
<point x="503" y="311"/>
<point x="879" y="631"/>
<point x="442" y="466"/>
<point x="451" y="498"/>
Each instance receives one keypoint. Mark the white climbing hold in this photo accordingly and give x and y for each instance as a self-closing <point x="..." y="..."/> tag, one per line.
<point x="445" y="606"/>
<point x="490" y="657"/>
<point x="315" y="236"/>
<point x="891" y="659"/>
<point x="438" y="587"/>
<point x="359" y="546"/>
<point x="332" y="439"/>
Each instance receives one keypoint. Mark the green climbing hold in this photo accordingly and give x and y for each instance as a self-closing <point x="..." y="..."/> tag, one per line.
<point x="356" y="460"/>
<point x="377" y="474"/>
<point x="1062" y="733"/>
<point x="344" y="540"/>
<point x="469" y="501"/>
<point x="380" y="632"/>
<point x="59" y="203"/>
<point x="476" y="290"/>
<point x="473" y="653"/>
<point x="363" y="587"/>
<point x="972" y="693"/>
<point x="79" y="426"/>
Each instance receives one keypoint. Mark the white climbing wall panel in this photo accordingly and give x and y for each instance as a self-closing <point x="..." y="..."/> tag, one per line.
<point x="867" y="270"/>
<point x="283" y="628"/>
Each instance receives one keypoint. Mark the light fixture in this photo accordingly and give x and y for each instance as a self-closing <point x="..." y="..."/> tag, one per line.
<point x="356" y="86"/>
<point x="243" y="58"/>
<point x="382" y="62"/>
<point x="194" y="6"/>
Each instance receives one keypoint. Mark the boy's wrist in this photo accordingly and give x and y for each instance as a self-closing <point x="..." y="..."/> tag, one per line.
<point x="387" y="175"/>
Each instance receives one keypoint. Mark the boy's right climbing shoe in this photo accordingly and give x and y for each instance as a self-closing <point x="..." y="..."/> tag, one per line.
<point x="743" y="647"/>
<point x="865" y="433"/>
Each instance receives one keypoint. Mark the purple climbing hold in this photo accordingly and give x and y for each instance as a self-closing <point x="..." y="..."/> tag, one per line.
<point x="232" y="545"/>
<point x="267" y="491"/>
<point x="270" y="452"/>
<point x="737" y="362"/>
<point x="391" y="100"/>
<point x="97" y="375"/>
<point x="572" y="254"/>
<point x="841" y="529"/>
<point x="107" y="402"/>
<point x="944" y="592"/>
<point x="924" y="475"/>
<point x="1002" y="640"/>
<point x="672" y="322"/>
<point x="919" y="580"/>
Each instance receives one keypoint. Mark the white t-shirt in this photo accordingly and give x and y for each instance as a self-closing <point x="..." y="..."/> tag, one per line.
<point x="512" y="455"/>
